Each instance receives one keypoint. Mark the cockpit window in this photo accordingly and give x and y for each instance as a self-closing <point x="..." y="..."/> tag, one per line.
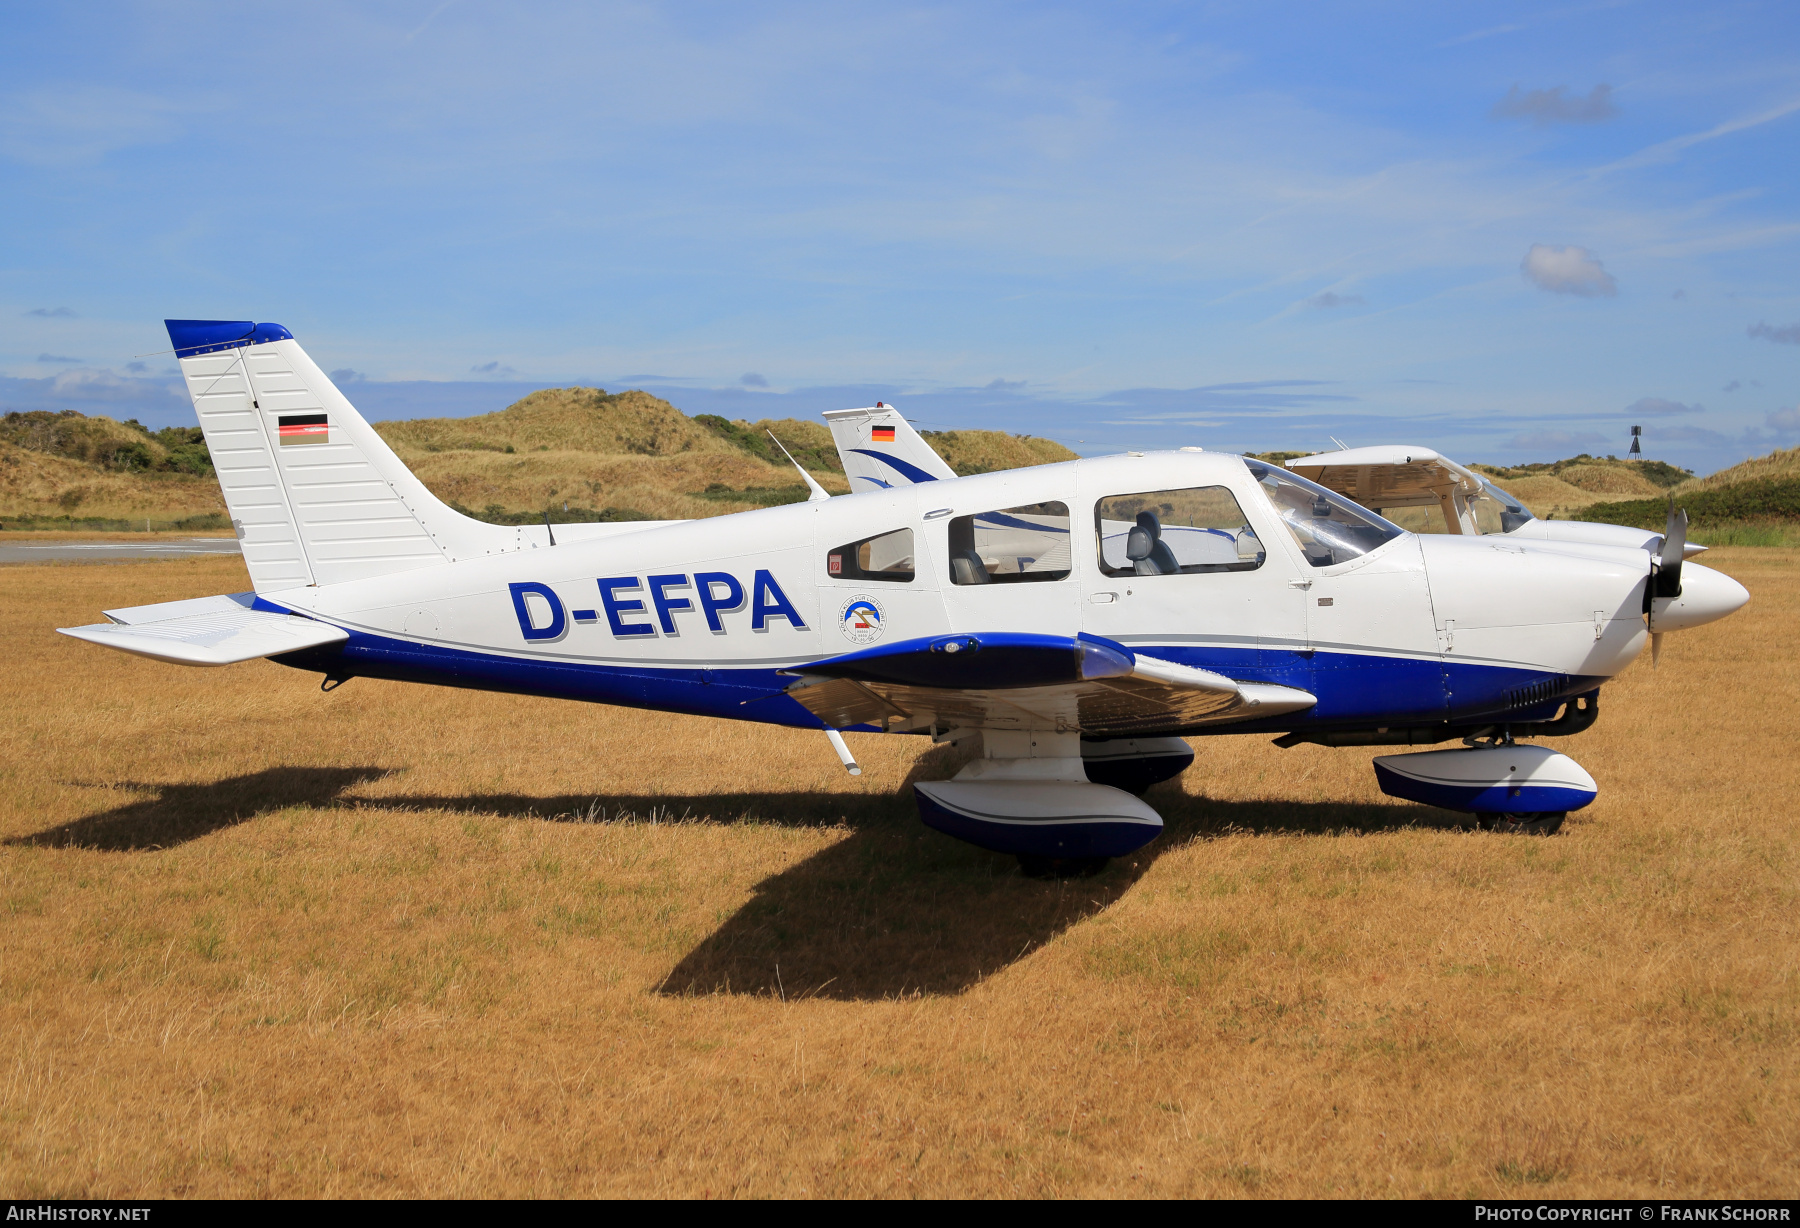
<point x="1496" y="511"/>
<point x="1011" y="545"/>
<point x="1327" y="527"/>
<point x="1175" y="532"/>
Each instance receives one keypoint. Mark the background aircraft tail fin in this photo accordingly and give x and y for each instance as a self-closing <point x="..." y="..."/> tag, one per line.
<point x="879" y="449"/>
<point x="316" y="496"/>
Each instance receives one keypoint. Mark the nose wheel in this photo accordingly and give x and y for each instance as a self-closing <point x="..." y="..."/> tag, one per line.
<point x="1522" y="824"/>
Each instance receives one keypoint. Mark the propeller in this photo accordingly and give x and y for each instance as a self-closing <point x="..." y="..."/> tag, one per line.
<point x="1665" y="574"/>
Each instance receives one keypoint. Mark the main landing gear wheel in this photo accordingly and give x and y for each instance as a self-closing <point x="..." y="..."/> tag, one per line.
<point x="1061" y="867"/>
<point x="1523" y="824"/>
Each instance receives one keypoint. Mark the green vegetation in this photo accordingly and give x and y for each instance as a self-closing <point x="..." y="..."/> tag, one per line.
<point x="115" y="447"/>
<point x="494" y="513"/>
<point x="1659" y="473"/>
<point x="761" y="496"/>
<point x="205" y="522"/>
<point x="1765" y="501"/>
<point x="808" y="442"/>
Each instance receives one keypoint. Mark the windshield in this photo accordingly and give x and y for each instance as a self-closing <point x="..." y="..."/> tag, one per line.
<point x="1328" y="527"/>
<point x="1496" y="511"/>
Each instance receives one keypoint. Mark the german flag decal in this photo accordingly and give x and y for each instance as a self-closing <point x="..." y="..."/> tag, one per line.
<point x="303" y="428"/>
<point x="881" y="434"/>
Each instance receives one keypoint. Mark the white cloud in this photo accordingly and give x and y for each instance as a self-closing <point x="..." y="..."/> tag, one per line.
<point x="1690" y="434"/>
<point x="92" y="385"/>
<point x="1568" y="270"/>
<point x="1565" y="441"/>
<point x="1657" y="407"/>
<point x="1786" y="420"/>
<point x="751" y="379"/>
<point x="1666" y="151"/>
<point x="1327" y="298"/>
<point x="1789" y="335"/>
<point x="1552" y="106"/>
<point x="67" y="126"/>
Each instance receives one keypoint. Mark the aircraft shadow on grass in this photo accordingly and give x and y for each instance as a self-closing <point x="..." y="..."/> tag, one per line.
<point x="179" y="813"/>
<point x="891" y="910"/>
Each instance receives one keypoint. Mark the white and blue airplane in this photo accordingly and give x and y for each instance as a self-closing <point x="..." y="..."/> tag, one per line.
<point x="1074" y="623"/>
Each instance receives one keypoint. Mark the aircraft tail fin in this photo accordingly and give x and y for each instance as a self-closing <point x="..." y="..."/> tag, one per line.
<point x="316" y="496"/>
<point x="880" y="449"/>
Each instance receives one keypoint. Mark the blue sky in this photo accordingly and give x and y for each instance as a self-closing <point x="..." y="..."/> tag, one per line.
<point x="1508" y="231"/>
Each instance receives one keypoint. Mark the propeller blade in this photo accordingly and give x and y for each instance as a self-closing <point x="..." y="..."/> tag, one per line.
<point x="1668" y="567"/>
<point x="1673" y="552"/>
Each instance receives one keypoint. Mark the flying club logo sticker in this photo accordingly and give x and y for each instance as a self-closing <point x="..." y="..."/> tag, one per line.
<point x="862" y="619"/>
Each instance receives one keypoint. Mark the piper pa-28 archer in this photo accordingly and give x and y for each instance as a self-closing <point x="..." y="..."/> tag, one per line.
<point x="1076" y="621"/>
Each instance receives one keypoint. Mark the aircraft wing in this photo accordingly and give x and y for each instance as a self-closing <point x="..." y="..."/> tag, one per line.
<point x="1019" y="681"/>
<point x="207" y="631"/>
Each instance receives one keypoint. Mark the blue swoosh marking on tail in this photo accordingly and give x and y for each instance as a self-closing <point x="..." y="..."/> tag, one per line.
<point x="910" y="472"/>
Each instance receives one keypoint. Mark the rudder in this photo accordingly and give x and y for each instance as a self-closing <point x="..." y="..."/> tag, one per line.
<point x="316" y="496"/>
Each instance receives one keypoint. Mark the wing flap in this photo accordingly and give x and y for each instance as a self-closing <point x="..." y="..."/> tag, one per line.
<point x="1109" y="690"/>
<point x="214" y="637"/>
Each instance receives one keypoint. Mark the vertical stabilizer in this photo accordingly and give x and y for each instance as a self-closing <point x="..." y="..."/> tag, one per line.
<point x="880" y="449"/>
<point x="316" y="496"/>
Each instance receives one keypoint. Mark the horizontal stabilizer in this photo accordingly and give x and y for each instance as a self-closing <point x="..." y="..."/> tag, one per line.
<point x="212" y="637"/>
<point x="162" y="610"/>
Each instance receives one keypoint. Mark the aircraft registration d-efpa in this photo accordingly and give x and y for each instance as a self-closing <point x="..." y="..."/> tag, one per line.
<point x="1076" y="621"/>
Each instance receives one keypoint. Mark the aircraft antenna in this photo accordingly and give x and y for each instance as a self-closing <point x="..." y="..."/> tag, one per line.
<point x="547" y="528"/>
<point x="818" y="491"/>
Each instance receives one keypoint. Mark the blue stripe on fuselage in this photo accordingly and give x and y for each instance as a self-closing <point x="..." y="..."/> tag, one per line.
<point x="733" y="694"/>
<point x="1353" y="690"/>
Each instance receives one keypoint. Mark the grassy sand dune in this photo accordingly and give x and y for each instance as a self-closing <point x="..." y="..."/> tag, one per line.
<point x="659" y="486"/>
<point x="1782" y="463"/>
<point x="1610" y="480"/>
<point x="34" y="483"/>
<point x="969" y="452"/>
<point x="584" y="447"/>
<point x="403" y="941"/>
<point x="1548" y="497"/>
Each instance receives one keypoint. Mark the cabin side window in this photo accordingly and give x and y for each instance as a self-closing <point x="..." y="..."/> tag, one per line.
<point x="886" y="557"/>
<point x="1175" y="532"/>
<point x="1011" y="545"/>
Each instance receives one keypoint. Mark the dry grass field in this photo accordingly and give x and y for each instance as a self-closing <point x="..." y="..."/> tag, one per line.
<point x="256" y="940"/>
